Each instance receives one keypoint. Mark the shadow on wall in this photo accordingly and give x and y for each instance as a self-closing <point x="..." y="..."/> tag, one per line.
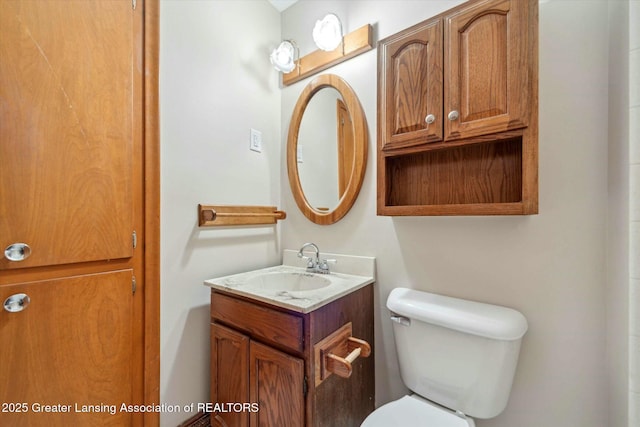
<point x="227" y="237"/>
<point x="194" y="339"/>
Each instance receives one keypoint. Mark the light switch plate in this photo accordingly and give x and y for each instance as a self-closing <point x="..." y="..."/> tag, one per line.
<point x="255" y="141"/>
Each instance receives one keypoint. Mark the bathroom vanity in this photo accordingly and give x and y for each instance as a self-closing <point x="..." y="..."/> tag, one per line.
<point x="295" y="348"/>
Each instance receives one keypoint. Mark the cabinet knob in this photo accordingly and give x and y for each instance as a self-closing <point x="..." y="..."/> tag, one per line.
<point x="430" y="119"/>
<point x="17" y="252"/>
<point x="16" y="303"/>
<point x="453" y="115"/>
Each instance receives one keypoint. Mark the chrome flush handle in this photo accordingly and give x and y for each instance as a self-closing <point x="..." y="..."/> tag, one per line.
<point x="17" y="252"/>
<point x="404" y="321"/>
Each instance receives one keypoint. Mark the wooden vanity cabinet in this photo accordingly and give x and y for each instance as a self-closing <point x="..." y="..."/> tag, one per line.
<point x="457" y="112"/>
<point x="264" y="354"/>
<point x="247" y="371"/>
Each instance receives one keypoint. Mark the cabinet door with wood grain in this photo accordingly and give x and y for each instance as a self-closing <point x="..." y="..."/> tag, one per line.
<point x="66" y="131"/>
<point x="486" y="68"/>
<point x="277" y="386"/>
<point x="410" y="87"/>
<point x="229" y="374"/>
<point x="67" y="345"/>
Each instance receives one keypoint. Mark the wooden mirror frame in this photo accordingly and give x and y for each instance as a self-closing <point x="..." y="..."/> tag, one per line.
<point x="361" y="144"/>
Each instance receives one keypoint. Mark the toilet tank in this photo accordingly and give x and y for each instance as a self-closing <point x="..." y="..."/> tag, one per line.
<point x="460" y="354"/>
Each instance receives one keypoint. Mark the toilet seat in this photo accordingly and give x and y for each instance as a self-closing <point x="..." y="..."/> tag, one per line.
<point x="415" y="411"/>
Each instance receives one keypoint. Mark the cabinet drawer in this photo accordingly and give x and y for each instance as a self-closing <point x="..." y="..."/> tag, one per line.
<point x="262" y="323"/>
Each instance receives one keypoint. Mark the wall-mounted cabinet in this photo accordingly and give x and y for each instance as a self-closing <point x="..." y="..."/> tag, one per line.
<point x="457" y="113"/>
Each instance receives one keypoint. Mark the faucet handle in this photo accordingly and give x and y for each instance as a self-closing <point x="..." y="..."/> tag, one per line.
<point x="324" y="264"/>
<point x="307" y="259"/>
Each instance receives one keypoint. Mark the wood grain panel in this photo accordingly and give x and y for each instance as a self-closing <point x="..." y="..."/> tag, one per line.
<point x="410" y="95"/>
<point x="229" y="372"/>
<point x="51" y="358"/>
<point x="277" y="385"/>
<point x="480" y="173"/>
<point x="271" y="326"/>
<point x="66" y="130"/>
<point x="410" y="67"/>
<point x="487" y="76"/>
<point x="350" y="400"/>
<point x="484" y="71"/>
<point x="346" y="147"/>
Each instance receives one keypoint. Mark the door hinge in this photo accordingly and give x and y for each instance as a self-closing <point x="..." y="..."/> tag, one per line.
<point x="305" y="387"/>
<point x="133" y="4"/>
<point x="134" y="285"/>
<point x="134" y="239"/>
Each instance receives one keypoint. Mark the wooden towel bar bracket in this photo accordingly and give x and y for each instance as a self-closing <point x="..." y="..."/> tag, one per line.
<point x="222" y="215"/>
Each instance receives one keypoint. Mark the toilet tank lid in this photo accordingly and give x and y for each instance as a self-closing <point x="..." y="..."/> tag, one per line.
<point x="476" y="318"/>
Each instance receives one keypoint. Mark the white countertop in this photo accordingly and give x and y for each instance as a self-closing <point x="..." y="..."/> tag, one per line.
<point x="342" y="282"/>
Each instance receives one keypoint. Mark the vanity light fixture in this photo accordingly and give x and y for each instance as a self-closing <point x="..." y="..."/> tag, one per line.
<point x="327" y="33"/>
<point x="352" y="44"/>
<point x="284" y="57"/>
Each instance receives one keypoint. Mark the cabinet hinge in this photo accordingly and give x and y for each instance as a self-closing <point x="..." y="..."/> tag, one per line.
<point x="133" y="4"/>
<point x="134" y="239"/>
<point x="134" y="285"/>
<point x="305" y="387"/>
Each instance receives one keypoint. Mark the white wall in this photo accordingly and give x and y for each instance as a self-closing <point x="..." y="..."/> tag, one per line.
<point x="216" y="83"/>
<point x="618" y="216"/>
<point x="551" y="266"/>
<point x="634" y="211"/>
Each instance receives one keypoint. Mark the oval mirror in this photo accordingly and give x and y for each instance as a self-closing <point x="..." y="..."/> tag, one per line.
<point x="326" y="149"/>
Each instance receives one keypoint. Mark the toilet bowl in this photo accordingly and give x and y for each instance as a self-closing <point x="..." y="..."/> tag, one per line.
<point x="414" y="411"/>
<point x="458" y="357"/>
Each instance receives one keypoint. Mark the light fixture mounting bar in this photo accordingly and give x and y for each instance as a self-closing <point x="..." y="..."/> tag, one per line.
<point x="355" y="43"/>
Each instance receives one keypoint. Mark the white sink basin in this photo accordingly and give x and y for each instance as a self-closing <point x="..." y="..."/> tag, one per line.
<point x="286" y="281"/>
<point x="289" y="285"/>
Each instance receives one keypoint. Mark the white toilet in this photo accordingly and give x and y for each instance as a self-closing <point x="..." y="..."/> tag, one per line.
<point x="458" y="357"/>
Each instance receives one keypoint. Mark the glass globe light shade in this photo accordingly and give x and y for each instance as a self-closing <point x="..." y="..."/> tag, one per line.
<point x="327" y="33"/>
<point x="283" y="57"/>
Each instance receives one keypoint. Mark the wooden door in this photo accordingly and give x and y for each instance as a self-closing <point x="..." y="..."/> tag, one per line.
<point x="346" y="147"/>
<point x="410" y="86"/>
<point x="229" y="373"/>
<point x="72" y="187"/>
<point x="486" y="79"/>
<point x="66" y="84"/>
<point x="277" y="385"/>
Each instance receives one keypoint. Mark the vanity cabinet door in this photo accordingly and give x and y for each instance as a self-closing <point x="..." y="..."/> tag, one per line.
<point x="410" y="97"/>
<point x="486" y="60"/>
<point x="277" y="385"/>
<point x="229" y="373"/>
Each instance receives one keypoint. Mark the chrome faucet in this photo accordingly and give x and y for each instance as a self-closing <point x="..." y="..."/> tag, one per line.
<point x="315" y="265"/>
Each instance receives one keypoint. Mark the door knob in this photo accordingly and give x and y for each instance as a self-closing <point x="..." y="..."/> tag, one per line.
<point x="16" y="303"/>
<point x="430" y="119"/>
<point x="17" y="252"/>
<point x="453" y="115"/>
